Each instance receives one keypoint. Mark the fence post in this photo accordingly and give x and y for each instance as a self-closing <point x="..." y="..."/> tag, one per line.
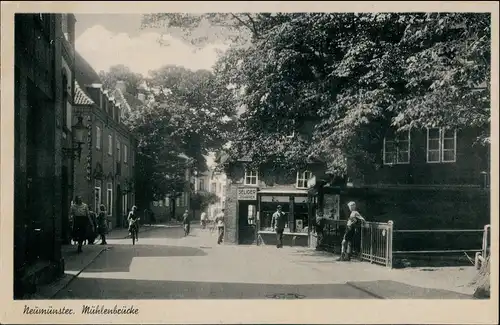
<point x="485" y="241"/>
<point x="361" y="242"/>
<point x="371" y="243"/>
<point x="390" y="229"/>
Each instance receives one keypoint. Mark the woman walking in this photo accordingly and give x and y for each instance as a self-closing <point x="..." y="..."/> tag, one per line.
<point x="102" y="227"/>
<point x="81" y="221"/>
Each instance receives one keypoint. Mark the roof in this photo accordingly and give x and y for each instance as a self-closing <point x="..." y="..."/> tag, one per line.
<point x="84" y="73"/>
<point x="81" y="97"/>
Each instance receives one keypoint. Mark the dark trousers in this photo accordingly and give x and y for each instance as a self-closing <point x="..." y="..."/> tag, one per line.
<point x="220" y="237"/>
<point x="279" y="237"/>
<point x="80" y="228"/>
<point x="187" y="227"/>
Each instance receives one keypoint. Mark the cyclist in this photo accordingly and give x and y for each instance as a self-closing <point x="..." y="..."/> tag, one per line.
<point x="186" y="222"/>
<point x="133" y="222"/>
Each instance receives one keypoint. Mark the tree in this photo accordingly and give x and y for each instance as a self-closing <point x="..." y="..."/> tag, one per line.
<point x="123" y="73"/>
<point x="176" y="129"/>
<point x="201" y="200"/>
<point x="338" y="82"/>
<point x="355" y="75"/>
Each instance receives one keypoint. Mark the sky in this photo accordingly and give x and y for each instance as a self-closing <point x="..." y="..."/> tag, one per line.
<point x="109" y="39"/>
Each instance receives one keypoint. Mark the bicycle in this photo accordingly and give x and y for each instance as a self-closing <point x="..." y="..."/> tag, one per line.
<point x="134" y="230"/>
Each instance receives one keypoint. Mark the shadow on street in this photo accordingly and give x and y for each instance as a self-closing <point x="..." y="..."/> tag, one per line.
<point x="89" y="288"/>
<point x="118" y="258"/>
<point x="92" y="288"/>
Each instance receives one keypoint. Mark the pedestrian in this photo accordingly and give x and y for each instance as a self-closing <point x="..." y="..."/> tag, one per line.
<point x="92" y="228"/>
<point x="80" y="215"/>
<point x="102" y="226"/>
<point x="132" y="221"/>
<point x="186" y="222"/>
<point x="203" y="220"/>
<point x="354" y="220"/>
<point x="278" y="225"/>
<point x="219" y="220"/>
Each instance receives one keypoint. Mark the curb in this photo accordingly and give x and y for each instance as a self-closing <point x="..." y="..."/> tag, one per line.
<point x="67" y="283"/>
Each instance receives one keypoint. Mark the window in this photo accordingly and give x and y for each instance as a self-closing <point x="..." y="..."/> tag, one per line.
<point x="202" y="185"/>
<point x="124" y="204"/>
<point x="97" y="195"/>
<point x="213" y="187"/>
<point x="118" y="151"/>
<point x="178" y="201"/>
<point x="160" y="203"/>
<point x="167" y="201"/>
<point x="441" y="145"/>
<point x="397" y="148"/>
<point x="125" y="153"/>
<point x="110" y="144"/>
<point x="251" y="177"/>
<point x="302" y="178"/>
<point x="109" y="198"/>
<point x="98" y="137"/>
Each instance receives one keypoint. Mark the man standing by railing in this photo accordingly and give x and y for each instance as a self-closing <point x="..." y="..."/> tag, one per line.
<point x="354" y="220"/>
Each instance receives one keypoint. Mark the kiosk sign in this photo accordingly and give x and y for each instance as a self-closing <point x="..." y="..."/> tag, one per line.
<point x="247" y="194"/>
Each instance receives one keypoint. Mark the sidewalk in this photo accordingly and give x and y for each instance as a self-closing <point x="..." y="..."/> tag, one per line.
<point x="74" y="263"/>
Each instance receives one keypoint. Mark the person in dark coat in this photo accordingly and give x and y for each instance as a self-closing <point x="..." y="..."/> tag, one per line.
<point x="80" y="215"/>
<point x="102" y="227"/>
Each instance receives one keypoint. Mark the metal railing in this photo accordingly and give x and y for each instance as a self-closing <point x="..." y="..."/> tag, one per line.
<point x="376" y="242"/>
<point x="372" y="241"/>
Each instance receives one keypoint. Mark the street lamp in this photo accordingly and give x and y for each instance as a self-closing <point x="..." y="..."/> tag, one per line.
<point x="78" y="132"/>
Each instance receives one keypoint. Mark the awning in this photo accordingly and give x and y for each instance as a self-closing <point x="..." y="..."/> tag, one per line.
<point x="282" y="191"/>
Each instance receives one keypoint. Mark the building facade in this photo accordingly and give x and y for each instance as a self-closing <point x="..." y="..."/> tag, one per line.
<point x="215" y="182"/>
<point x="425" y="179"/>
<point x="253" y="195"/>
<point x="106" y="171"/>
<point x="43" y="75"/>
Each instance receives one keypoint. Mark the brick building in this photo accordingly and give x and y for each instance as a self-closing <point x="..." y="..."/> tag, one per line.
<point x="43" y="75"/>
<point x="106" y="172"/>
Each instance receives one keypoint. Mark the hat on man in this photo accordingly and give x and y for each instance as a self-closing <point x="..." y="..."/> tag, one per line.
<point x="351" y="204"/>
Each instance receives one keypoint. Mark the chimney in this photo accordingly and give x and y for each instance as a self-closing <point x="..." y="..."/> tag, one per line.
<point x="111" y="105"/>
<point x="95" y="91"/>
<point x="120" y="84"/>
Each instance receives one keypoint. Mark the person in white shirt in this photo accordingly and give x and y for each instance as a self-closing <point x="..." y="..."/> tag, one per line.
<point x="354" y="220"/>
<point x="219" y="220"/>
<point x="203" y="220"/>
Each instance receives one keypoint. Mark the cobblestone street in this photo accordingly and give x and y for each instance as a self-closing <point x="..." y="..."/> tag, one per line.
<point x="164" y="265"/>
